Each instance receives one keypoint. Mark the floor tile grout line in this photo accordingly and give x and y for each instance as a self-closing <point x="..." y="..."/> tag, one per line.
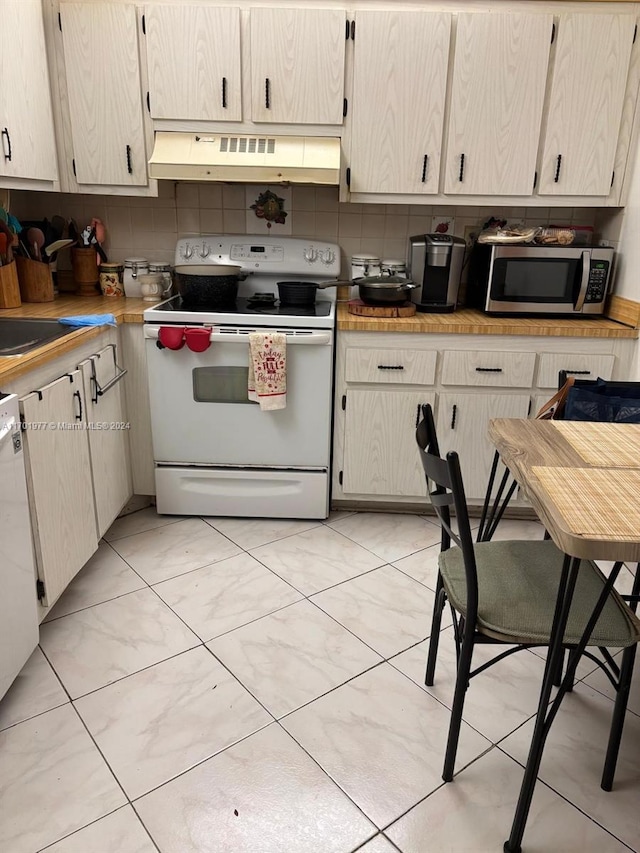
<point x="314" y="526"/>
<point x="170" y="520"/>
<point x="541" y="781"/>
<point x="95" y="604"/>
<point x="387" y="560"/>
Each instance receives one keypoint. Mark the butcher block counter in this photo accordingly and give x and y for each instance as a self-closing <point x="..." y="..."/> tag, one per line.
<point x="469" y="321"/>
<point x="125" y="310"/>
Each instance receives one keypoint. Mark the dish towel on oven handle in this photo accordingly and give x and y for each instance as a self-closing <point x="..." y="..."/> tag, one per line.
<point x="268" y="370"/>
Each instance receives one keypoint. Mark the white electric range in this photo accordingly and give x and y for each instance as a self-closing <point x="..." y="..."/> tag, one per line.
<point x="216" y="452"/>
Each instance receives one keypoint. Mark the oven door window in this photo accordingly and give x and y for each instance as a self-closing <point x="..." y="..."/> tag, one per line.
<point x="543" y="280"/>
<point x="220" y="384"/>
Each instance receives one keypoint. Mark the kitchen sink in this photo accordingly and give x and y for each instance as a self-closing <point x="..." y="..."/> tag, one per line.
<point x="21" y="335"/>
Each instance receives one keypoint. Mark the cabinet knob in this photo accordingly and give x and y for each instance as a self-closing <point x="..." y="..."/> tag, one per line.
<point x="267" y="93"/>
<point x="129" y="166"/>
<point x="558" y="164"/>
<point x="461" y="175"/>
<point x="424" y="168"/>
<point x="224" y="93"/>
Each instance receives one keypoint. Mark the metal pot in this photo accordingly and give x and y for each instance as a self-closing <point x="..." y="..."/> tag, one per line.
<point x="384" y="290"/>
<point x="208" y="285"/>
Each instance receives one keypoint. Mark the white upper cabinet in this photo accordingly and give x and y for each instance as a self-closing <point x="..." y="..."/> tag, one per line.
<point x="399" y="90"/>
<point x="499" y="77"/>
<point x="297" y="65"/>
<point x="105" y="103"/>
<point x="193" y="59"/>
<point x="587" y="95"/>
<point x="26" y="123"/>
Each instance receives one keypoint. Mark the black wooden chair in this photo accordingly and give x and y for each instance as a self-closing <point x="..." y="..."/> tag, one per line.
<point x="503" y="592"/>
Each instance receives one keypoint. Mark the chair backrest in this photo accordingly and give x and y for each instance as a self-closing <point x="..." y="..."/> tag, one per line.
<point x="446" y="489"/>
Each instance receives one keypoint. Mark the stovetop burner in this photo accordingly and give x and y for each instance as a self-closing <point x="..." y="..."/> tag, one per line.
<point x="243" y="305"/>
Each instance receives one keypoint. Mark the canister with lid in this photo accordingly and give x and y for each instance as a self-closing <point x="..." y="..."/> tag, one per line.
<point x="134" y="267"/>
<point x="164" y="271"/>
<point x="111" y="279"/>
<point x="364" y="265"/>
<point x="394" y="267"/>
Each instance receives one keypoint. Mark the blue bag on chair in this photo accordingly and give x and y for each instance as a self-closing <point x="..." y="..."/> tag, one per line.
<point x="615" y="402"/>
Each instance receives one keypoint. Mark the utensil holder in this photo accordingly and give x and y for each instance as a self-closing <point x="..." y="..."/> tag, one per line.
<point x="9" y="286"/>
<point x="36" y="281"/>
<point x="85" y="271"/>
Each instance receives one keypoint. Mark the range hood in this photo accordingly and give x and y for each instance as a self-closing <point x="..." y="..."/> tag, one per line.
<point x="263" y="159"/>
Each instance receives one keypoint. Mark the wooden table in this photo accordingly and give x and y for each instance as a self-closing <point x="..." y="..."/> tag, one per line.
<point x="583" y="480"/>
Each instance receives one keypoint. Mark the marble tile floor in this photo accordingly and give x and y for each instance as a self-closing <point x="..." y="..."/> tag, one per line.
<point x="256" y="686"/>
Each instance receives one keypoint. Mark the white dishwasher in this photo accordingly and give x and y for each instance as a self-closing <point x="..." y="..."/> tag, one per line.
<point x="18" y="601"/>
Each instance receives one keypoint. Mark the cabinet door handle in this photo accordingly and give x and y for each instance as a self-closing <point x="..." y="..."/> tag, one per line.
<point x="224" y="93"/>
<point x="424" y="168"/>
<point x="5" y="132"/>
<point x="461" y="175"/>
<point x="578" y="372"/>
<point x="78" y="395"/>
<point x="129" y="166"/>
<point x="391" y="367"/>
<point x="267" y="93"/>
<point x="454" y="414"/>
<point x="558" y="164"/>
<point x="488" y="370"/>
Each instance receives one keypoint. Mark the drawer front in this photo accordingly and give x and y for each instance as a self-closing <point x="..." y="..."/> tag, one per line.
<point x="411" y="367"/>
<point x="496" y="369"/>
<point x="580" y="365"/>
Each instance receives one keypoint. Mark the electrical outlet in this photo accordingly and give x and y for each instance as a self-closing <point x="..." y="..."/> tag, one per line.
<point x="471" y="234"/>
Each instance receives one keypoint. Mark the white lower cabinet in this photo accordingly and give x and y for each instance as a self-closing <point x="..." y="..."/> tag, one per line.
<point x="462" y="424"/>
<point x="380" y="446"/>
<point x="59" y="483"/>
<point x="105" y="413"/>
<point x="382" y="379"/>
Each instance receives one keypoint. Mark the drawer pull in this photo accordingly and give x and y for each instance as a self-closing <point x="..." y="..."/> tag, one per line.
<point x="454" y="412"/>
<point x="391" y="367"/>
<point x="488" y="370"/>
<point x="424" y="168"/>
<point x="578" y="372"/>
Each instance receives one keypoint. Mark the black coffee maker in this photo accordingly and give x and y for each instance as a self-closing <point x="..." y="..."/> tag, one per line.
<point x="435" y="262"/>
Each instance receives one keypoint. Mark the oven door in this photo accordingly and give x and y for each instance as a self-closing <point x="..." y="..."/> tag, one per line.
<point x="201" y="414"/>
<point x="538" y="280"/>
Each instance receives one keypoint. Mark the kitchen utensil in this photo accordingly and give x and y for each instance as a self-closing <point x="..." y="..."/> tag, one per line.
<point x="58" y="224"/>
<point x="9" y="237"/>
<point x="384" y="290"/>
<point x="198" y="339"/>
<point x="171" y="337"/>
<point x="208" y="285"/>
<point x="74" y="231"/>
<point x="57" y="246"/>
<point x="35" y="241"/>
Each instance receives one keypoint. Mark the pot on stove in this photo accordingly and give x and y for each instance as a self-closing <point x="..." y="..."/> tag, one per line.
<point x="373" y="290"/>
<point x="208" y="285"/>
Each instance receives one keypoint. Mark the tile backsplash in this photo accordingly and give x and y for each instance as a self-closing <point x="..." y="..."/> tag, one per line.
<point x="150" y="226"/>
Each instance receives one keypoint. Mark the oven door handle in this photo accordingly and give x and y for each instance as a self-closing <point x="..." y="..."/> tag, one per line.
<point x="219" y="337"/>
<point x="584" y="282"/>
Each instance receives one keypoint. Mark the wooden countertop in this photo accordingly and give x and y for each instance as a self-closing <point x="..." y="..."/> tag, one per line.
<point x="125" y="310"/>
<point x="469" y="321"/>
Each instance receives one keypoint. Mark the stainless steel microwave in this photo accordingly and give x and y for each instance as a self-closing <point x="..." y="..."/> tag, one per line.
<point x="562" y="280"/>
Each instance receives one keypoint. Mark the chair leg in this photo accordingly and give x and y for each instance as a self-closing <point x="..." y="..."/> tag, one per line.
<point x="617" y="722"/>
<point x="434" y="639"/>
<point x="462" y="683"/>
<point x="557" y="675"/>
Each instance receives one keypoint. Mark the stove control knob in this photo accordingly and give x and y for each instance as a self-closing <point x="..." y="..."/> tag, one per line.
<point x="328" y="256"/>
<point x="310" y="255"/>
<point x="187" y="252"/>
<point x="205" y="251"/>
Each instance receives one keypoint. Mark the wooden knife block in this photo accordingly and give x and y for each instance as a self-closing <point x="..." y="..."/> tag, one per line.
<point x="9" y="286"/>
<point x="36" y="281"/>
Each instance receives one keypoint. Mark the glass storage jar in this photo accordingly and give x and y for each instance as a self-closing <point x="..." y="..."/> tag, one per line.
<point x="166" y="278"/>
<point x="134" y="267"/>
